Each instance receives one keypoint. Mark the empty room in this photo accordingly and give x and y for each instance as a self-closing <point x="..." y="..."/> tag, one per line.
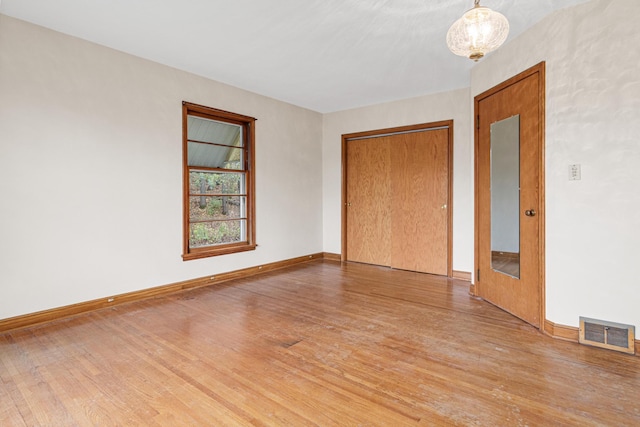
<point x="324" y="213"/>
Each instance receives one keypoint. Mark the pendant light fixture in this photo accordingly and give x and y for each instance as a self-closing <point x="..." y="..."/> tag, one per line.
<point x="479" y="31"/>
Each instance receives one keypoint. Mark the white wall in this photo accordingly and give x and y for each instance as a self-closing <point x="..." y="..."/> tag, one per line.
<point x="592" y="54"/>
<point x="424" y="109"/>
<point x="90" y="172"/>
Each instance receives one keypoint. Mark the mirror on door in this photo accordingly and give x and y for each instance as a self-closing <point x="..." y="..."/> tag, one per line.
<point x="505" y="196"/>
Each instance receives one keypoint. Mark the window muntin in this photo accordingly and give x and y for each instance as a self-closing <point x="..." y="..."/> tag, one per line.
<point x="218" y="181"/>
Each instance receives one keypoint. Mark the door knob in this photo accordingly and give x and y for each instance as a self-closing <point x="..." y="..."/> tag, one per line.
<point x="530" y="212"/>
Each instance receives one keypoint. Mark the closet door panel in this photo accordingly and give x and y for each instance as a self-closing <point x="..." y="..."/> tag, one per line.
<point x="368" y="201"/>
<point x="419" y="197"/>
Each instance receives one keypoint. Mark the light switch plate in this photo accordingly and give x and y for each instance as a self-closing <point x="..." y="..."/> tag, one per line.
<point x="574" y="173"/>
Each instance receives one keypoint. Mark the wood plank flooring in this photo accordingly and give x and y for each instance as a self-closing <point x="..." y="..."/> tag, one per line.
<point x="316" y="344"/>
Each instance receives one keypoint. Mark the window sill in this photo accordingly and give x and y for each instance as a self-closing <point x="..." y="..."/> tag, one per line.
<point x="217" y="250"/>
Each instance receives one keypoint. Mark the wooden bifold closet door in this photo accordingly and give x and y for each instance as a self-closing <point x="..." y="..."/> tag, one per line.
<point x="397" y="200"/>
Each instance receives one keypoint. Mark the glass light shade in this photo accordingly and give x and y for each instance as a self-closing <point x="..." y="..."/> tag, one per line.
<point x="479" y="31"/>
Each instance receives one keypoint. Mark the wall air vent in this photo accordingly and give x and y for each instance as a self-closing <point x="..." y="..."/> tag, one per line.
<point x="613" y="336"/>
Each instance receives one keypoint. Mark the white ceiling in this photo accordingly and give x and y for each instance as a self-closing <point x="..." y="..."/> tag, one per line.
<point x="325" y="55"/>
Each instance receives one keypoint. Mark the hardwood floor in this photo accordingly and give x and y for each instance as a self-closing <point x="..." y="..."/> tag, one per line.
<point x="316" y="344"/>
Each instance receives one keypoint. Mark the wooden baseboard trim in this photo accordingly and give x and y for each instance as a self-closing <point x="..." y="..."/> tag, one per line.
<point x="571" y="333"/>
<point x="505" y="255"/>
<point x="58" y="313"/>
<point x="461" y="275"/>
<point x="562" y="332"/>
<point x="472" y="290"/>
<point x="332" y="257"/>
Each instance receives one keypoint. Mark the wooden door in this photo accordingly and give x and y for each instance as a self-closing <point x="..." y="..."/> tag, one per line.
<point x="397" y="201"/>
<point x="520" y="290"/>
<point x="368" y="214"/>
<point x="419" y="201"/>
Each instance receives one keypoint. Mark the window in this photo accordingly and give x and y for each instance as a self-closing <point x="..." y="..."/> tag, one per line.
<point x="219" y="210"/>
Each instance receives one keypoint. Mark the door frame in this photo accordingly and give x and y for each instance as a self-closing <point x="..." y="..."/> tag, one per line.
<point x="540" y="70"/>
<point x="423" y="127"/>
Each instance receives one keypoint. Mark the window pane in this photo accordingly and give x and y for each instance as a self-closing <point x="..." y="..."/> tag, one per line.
<point x="207" y="208"/>
<point x="216" y="233"/>
<point x="216" y="183"/>
<point x="215" y="156"/>
<point x="207" y="130"/>
<point x="218" y="172"/>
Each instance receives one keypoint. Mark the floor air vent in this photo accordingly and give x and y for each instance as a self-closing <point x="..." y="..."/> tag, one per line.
<point x="614" y="336"/>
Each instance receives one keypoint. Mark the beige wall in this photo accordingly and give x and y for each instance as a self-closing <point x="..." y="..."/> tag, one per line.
<point x="91" y="172"/>
<point x="431" y="108"/>
<point x="592" y="54"/>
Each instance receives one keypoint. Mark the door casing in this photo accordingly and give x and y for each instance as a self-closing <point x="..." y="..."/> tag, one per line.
<point x="448" y="124"/>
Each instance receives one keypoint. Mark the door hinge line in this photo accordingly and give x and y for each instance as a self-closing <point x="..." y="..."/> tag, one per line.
<point x="478" y="275"/>
<point x="478" y="121"/>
